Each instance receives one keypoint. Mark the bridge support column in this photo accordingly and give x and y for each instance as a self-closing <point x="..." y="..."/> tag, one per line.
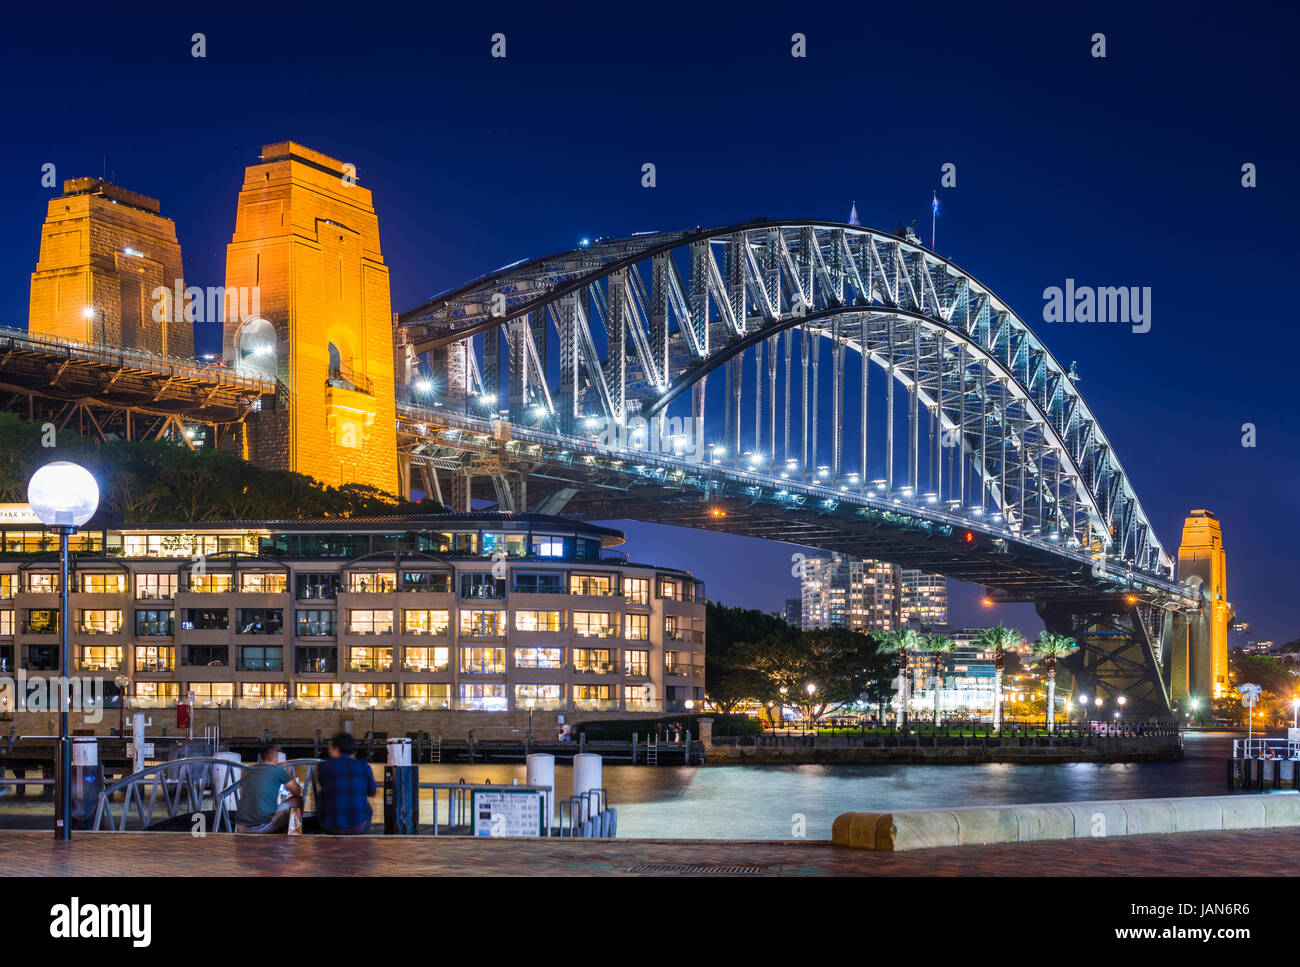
<point x="1116" y="655"/>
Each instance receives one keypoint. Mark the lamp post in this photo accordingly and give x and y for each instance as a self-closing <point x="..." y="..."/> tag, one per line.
<point x="63" y="496"/>
<point x="374" y="703"/>
<point x="812" y="690"/>
<point x="784" y="691"/>
<point x="531" y="704"/>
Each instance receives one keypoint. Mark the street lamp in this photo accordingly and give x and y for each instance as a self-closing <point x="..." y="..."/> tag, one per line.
<point x="89" y="313"/>
<point x="812" y="690"/>
<point x="1295" y="709"/>
<point x="374" y="703"/>
<point x="531" y="704"/>
<point x="63" y="496"/>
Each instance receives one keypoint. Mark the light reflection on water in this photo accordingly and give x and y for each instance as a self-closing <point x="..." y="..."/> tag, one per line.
<point x="758" y="802"/>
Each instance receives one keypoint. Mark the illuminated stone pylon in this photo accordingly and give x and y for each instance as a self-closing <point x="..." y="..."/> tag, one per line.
<point x="1198" y="660"/>
<point x="307" y="242"/>
<point x="109" y="271"/>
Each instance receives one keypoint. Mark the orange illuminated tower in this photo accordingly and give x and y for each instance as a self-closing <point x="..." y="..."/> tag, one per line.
<point x="1199" y="657"/>
<point x="307" y="243"/>
<point x="110" y="272"/>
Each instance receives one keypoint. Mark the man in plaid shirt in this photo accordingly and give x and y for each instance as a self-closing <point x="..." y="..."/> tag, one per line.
<point x="346" y="785"/>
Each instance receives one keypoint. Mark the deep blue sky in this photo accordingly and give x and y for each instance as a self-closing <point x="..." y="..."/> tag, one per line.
<point x="1117" y="171"/>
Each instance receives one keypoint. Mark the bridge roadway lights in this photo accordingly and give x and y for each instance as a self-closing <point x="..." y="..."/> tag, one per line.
<point x="911" y="829"/>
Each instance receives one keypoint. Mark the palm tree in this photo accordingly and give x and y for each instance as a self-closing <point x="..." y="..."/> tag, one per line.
<point x="900" y="641"/>
<point x="939" y="645"/>
<point x="1050" y="647"/>
<point x="998" y="640"/>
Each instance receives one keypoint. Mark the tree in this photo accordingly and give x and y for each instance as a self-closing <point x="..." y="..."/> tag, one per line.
<point x="728" y="682"/>
<point x="998" y="640"/>
<point x="1049" y="647"/>
<point x="901" y="642"/>
<point x="941" y="646"/>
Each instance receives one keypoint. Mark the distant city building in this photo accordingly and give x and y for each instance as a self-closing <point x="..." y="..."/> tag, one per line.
<point x="794" y="612"/>
<point x="968" y="677"/>
<point x="867" y="595"/>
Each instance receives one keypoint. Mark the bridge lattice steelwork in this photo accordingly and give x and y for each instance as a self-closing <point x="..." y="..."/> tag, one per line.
<point x="948" y="436"/>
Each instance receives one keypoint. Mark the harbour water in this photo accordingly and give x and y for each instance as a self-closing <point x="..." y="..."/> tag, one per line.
<point x="765" y="802"/>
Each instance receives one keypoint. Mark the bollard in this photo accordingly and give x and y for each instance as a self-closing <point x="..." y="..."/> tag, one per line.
<point x="86" y="778"/>
<point x="539" y="770"/>
<point x="401" y="788"/>
<point x="586" y="777"/>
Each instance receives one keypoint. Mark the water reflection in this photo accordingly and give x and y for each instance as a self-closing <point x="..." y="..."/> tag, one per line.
<point x="759" y="802"/>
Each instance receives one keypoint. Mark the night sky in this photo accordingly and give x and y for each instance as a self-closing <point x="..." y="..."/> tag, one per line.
<point x="1117" y="171"/>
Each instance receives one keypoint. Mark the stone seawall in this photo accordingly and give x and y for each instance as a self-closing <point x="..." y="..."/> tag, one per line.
<point x="909" y="829"/>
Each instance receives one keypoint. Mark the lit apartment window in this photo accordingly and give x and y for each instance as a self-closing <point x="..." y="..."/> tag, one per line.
<point x="365" y="659"/>
<point x="426" y="695"/>
<point x="483" y="661"/>
<point x="263" y="694"/>
<point x="482" y="587"/>
<point x="637" y="590"/>
<point x="197" y="619"/>
<point x="482" y="624"/>
<point x="359" y="694"/>
<point x="99" y="658"/>
<point x="426" y="622"/>
<point x="436" y="659"/>
<point x="592" y="660"/>
<point x="212" y="694"/>
<point x="261" y="621"/>
<point x="542" y="696"/>
<point x="677" y="663"/>
<point x="636" y="627"/>
<point x="8" y="584"/>
<point x="372" y="582"/>
<point x="598" y="584"/>
<point x="593" y="624"/>
<point x="539" y="657"/>
<point x="669" y="589"/>
<point x="155" y="587"/>
<point x="256" y="582"/>
<point x="483" y="698"/>
<point x="317" y="694"/>
<point x="317" y="586"/>
<point x="156" y="694"/>
<point x="155" y="658"/>
<point x="591" y="693"/>
<point x="40" y="621"/>
<point x="513" y="545"/>
<point x="317" y="661"/>
<point x="316" y="623"/>
<point x="96" y="622"/>
<point x="636" y="698"/>
<point x="426" y="581"/>
<point x="103" y="583"/>
<point x="546" y="545"/>
<point x="636" y="663"/>
<point x="210" y="583"/>
<point x="41" y="583"/>
<point x="370" y="622"/>
<point x="539" y="621"/>
<point x="6" y="623"/>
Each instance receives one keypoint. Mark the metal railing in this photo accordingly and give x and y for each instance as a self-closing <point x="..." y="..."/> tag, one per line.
<point x="184" y="786"/>
<point x="1260" y="748"/>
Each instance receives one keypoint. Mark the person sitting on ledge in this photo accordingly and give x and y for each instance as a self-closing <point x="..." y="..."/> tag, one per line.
<point x="346" y="785"/>
<point x="259" y="808"/>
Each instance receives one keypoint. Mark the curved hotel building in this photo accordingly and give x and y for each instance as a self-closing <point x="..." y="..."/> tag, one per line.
<point x="439" y="622"/>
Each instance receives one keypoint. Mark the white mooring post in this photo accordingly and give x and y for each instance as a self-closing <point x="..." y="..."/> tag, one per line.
<point x="539" y="770"/>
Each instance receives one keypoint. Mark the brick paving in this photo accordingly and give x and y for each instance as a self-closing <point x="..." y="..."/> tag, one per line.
<point x="1245" y="852"/>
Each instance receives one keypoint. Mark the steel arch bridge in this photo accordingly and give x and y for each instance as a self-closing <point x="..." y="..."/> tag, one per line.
<point x="942" y="435"/>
